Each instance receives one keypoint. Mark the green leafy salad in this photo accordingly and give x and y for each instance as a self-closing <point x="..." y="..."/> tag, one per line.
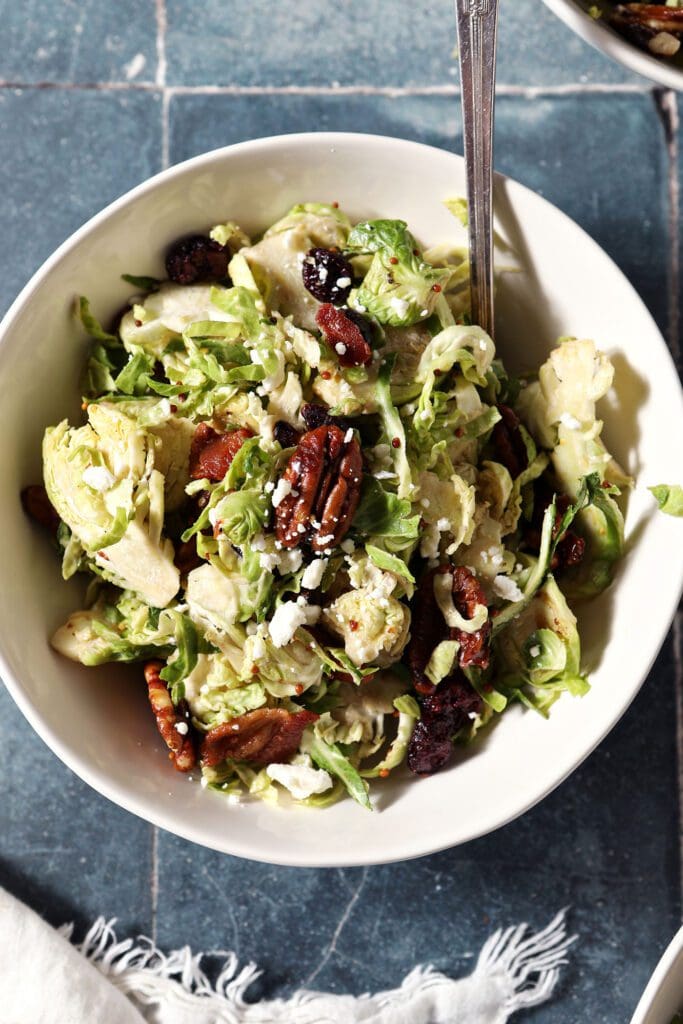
<point x="312" y="503"/>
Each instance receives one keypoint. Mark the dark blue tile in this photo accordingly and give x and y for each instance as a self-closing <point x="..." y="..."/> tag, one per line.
<point x="63" y="156"/>
<point x="407" y="45"/>
<point x="565" y="147"/>
<point x="363" y="929"/>
<point x="67" y="852"/>
<point x="43" y="41"/>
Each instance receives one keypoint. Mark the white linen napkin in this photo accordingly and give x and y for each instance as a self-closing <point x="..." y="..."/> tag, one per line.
<point x="44" y="979"/>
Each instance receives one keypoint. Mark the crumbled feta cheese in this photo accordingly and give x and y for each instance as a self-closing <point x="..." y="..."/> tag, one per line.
<point x="400" y="306"/>
<point x="269" y="561"/>
<point x="348" y="546"/>
<point x="327" y="539"/>
<point x="258" y="649"/>
<point x="258" y="542"/>
<point x="569" y="421"/>
<point x="99" y="478"/>
<point x="340" y="348"/>
<point x="182" y="728"/>
<point x="301" y="779"/>
<point x="269" y="487"/>
<point x="360" y="308"/>
<point x="343" y="282"/>
<point x="314" y="573"/>
<point x="300" y="528"/>
<point x="281" y="491"/>
<point x="348" y="436"/>
<point x="287" y="619"/>
<point x="443" y="524"/>
<point x="534" y="651"/>
<point x="506" y="588"/>
<point x="322" y="274"/>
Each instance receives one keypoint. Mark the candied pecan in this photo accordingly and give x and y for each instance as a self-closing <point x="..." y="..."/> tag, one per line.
<point x="508" y="441"/>
<point x="197" y="258"/>
<point x="285" y="434"/>
<point x="173" y="723"/>
<point x="343" y="335"/>
<point x="443" y="714"/>
<point x="467" y="594"/>
<point x="429" y="628"/>
<point x="212" y="453"/>
<point x="261" y="737"/>
<point x="324" y="477"/>
<point x="39" y="508"/>
<point x="327" y="275"/>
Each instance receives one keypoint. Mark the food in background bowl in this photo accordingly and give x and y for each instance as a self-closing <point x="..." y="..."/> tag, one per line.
<point x="312" y="501"/>
<point x="656" y="28"/>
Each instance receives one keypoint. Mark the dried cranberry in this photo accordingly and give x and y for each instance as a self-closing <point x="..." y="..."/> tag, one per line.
<point x="322" y="272"/>
<point x="197" y="258"/>
<point x="317" y="416"/>
<point x="285" y="434"/>
<point x="444" y="713"/>
<point x="508" y="441"/>
<point x="344" y="336"/>
<point x="39" y="508"/>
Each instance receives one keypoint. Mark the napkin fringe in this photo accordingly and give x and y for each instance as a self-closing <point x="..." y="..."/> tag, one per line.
<point x="526" y="967"/>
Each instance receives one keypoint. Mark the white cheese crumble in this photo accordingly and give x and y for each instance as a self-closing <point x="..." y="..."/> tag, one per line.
<point x="99" y="478"/>
<point x="322" y="274"/>
<point x="290" y="561"/>
<point x="343" y="282"/>
<point x="314" y="573"/>
<point x="269" y="561"/>
<point x="506" y="588"/>
<point x="281" y="491"/>
<point x="400" y="306"/>
<point x="182" y="728"/>
<point x="340" y="348"/>
<point x="301" y="778"/>
<point x="348" y="436"/>
<point x="287" y="619"/>
<point x="348" y="546"/>
<point x="569" y="421"/>
<point x="534" y="651"/>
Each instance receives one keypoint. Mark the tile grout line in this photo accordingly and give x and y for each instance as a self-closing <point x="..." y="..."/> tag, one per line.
<point x="388" y="91"/>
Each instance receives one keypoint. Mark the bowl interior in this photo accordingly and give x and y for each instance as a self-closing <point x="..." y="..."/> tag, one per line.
<point x="97" y="720"/>
<point x="602" y="36"/>
<point x="663" y="997"/>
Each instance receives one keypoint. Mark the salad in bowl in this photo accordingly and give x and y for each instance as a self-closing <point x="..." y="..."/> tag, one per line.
<point x="310" y="501"/>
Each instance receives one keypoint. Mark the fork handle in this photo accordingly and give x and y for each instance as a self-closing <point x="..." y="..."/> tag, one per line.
<point x="477" y="24"/>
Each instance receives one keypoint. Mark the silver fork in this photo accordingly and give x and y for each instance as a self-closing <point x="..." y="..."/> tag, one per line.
<point x="477" y="23"/>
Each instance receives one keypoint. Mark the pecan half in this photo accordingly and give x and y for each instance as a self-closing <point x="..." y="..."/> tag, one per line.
<point x="39" y="508"/>
<point x="173" y="723"/>
<point x="265" y="736"/>
<point x="343" y="335"/>
<point x="508" y="441"/>
<point x="212" y="453"/>
<point x="324" y="476"/>
<point x="467" y="594"/>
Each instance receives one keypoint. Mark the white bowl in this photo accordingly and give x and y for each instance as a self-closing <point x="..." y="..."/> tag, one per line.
<point x="97" y="720"/>
<point x="603" y="37"/>
<point x="663" y="997"/>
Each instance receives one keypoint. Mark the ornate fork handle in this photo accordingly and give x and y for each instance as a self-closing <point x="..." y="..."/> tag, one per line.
<point x="477" y="22"/>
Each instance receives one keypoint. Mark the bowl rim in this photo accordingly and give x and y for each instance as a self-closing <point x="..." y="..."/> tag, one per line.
<point x="603" y="38"/>
<point x="158" y="815"/>
<point x="660" y="974"/>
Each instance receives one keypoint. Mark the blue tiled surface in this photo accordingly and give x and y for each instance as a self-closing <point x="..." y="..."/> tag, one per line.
<point x="75" y="41"/>
<point x="374" y="42"/>
<point x="607" y="841"/>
